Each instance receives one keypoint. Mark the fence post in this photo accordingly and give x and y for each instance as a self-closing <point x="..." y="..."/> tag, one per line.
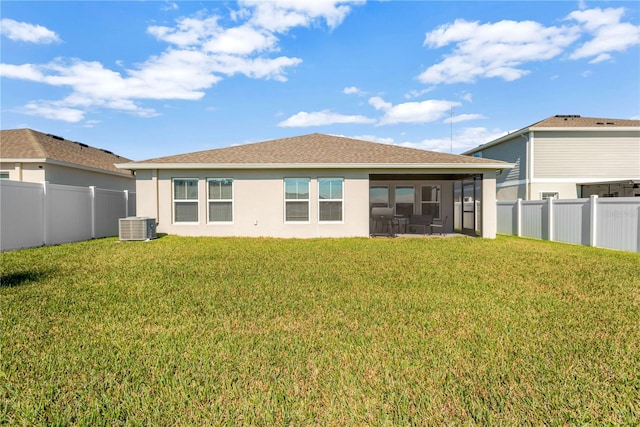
<point x="126" y="203"/>
<point x="519" y="217"/>
<point x="593" y="223"/>
<point x="92" y="192"/>
<point x="550" y="219"/>
<point x="46" y="212"/>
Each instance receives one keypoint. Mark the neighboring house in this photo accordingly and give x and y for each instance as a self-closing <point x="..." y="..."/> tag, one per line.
<point x="31" y="156"/>
<point x="312" y="186"/>
<point x="568" y="157"/>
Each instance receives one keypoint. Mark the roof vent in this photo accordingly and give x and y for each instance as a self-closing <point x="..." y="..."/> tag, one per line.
<point x="568" y="116"/>
<point x="599" y="123"/>
<point x="106" y="151"/>
<point x="59" y="138"/>
<point x="610" y="123"/>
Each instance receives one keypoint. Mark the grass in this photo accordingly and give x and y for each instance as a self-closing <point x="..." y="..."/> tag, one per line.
<point x="184" y="331"/>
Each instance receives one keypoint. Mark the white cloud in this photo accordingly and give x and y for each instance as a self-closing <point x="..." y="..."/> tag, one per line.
<point x="418" y="93"/>
<point x="22" y="31"/>
<point x="201" y="53"/>
<point x="502" y="49"/>
<point x="609" y="34"/>
<point x="463" y="140"/>
<point x="54" y="111"/>
<point x="411" y="112"/>
<point x="493" y="49"/>
<point x="467" y="97"/>
<point x="374" y="138"/>
<point x="323" y="118"/>
<point x="280" y="16"/>
<point x="464" y="118"/>
<point x="352" y="90"/>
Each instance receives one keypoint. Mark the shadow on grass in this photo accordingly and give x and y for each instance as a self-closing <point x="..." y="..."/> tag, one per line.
<point x="21" y="278"/>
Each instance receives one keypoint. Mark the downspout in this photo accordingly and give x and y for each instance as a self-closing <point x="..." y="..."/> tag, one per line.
<point x="154" y="175"/>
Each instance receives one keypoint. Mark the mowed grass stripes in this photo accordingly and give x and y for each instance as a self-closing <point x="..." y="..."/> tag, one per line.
<point x="188" y="331"/>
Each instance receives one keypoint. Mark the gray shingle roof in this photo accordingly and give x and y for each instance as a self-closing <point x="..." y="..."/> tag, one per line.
<point x="569" y="121"/>
<point x="30" y="144"/>
<point x="318" y="149"/>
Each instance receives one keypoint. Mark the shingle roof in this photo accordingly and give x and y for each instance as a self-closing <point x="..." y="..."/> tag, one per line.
<point x="561" y="121"/>
<point x="30" y="144"/>
<point x="318" y="149"/>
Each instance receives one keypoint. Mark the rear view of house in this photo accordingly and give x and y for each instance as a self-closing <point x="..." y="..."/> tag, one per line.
<point x="31" y="156"/>
<point x="568" y="157"/>
<point x="313" y="186"/>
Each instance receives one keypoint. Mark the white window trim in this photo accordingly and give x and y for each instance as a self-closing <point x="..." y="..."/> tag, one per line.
<point x="209" y="201"/>
<point x="439" y="202"/>
<point x="284" y="206"/>
<point x="174" y="201"/>
<point x="331" y="200"/>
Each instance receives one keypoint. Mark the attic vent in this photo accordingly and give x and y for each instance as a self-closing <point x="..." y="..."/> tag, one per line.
<point x="59" y="138"/>
<point x="568" y="116"/>
<point x="610" y="123"/>
<point x="599" y="123"/>
<point x="106" y="151"/>
<point x="82" y="145"/>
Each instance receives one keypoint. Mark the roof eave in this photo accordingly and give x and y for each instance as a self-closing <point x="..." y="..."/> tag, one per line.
<point x="244" y="166"/>
<point x="66" y="164"/>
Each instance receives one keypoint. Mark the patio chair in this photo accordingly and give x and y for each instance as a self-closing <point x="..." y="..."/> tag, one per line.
<point x="417" y="222"/>
<point x="440" y="226"/>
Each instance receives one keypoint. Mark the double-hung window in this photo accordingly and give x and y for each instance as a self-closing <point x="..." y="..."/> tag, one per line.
<point x="431" y="201"/>
<point x="185" y="200"/>
<point x="220" y="198"/>
<point x="330" y="199"/>
<point x="296" y="199"/>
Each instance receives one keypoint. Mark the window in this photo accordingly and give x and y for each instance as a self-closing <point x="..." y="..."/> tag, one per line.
<point x="549" y="195"/>
<point x="185" y="200"/>
<point x="430" y="202"/>
<point x="220" y="198"/>
<point x="4" y="175"/>
<point x="379" y="197"/>
<point x="296" y="199"/>
<point x="330" y="199"/>
<point x="404" y="201"/>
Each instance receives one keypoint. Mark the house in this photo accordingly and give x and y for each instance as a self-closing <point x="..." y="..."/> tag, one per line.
<point x="568" y="157"/>
<point x="312" y="186"/>
<point x="31" y="156"/>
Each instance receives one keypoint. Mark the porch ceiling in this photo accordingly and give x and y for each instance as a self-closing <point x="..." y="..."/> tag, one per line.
<point x="420" y="176"/>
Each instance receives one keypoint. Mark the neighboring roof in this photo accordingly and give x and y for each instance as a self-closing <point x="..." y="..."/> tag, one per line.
<point x="566" y="122"/>
<point x="29" y="145"/>
<point x="315" y="150"/>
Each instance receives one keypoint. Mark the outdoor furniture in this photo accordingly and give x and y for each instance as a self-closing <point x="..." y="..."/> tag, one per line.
<point x="401" y="222"/>
<point x="417" y="222"/>
<point x="383" y="218"/>
<point x="441" y="226"/>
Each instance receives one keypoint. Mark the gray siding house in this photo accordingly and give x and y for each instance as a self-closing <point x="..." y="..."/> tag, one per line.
<point x="313" y="186"/>
<point x="568" y="157"/>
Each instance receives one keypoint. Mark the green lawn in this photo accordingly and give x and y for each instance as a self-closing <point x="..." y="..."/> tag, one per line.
<point x="184" y="331"/>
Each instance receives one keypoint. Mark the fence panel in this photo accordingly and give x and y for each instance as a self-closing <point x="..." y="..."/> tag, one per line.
<point x="69" y="211"/>
<point x="571" y="221"/>
<point x="132" y="204"/>
<point x="21" y="214"/>
<point x="617" y="223"/>
<point x="507" y="217"/>
<point x="110" y="205"/>
<point x="534" y="221"/>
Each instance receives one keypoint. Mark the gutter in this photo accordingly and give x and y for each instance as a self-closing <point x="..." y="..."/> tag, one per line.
<point x="143" y="166"/>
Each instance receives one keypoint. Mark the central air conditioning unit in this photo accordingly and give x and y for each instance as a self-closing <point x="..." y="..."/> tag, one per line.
<point x="137" y="228"/>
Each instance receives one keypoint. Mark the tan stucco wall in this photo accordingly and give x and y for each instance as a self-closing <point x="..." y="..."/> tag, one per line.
<point x="258" y="204"/>
<point x="57" y="174"/>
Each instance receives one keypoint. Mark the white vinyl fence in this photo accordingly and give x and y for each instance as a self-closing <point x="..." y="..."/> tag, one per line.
<point x="611" y="222"/>
<point x="36" y="214"/>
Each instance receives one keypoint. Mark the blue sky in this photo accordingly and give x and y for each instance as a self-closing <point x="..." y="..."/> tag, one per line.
<point x="152" y="78"/>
